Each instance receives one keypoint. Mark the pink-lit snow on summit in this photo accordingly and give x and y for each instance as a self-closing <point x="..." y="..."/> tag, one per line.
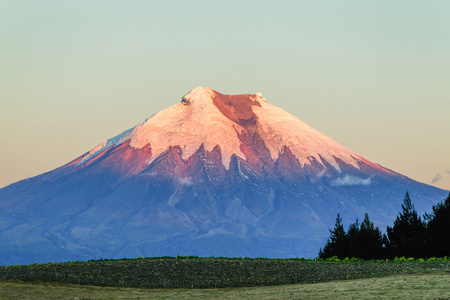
<point x="206" y="117"/>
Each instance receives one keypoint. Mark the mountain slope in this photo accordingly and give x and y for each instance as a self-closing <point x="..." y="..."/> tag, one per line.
<point x="214" y="175"/>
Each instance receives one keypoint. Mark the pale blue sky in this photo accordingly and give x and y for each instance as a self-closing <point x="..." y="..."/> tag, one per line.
<point x="373" y="75"/>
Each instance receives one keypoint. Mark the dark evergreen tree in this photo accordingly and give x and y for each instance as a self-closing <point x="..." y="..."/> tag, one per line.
<point x="361" y="240"/>
<point x="387" y="249"/>
<point x="370" y="240"/>
<point x="407" y="236"/>
<point x="352" y="240"/>
<point x="335" y="245"/>
<point x="365" y="240"/>
<point x="437" y="235"/>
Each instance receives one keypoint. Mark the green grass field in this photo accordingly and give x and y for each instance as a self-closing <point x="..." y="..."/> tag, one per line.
<point x="404" y="286"/>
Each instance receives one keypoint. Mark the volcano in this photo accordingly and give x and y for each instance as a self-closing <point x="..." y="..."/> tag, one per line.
<point x="214" y="175"/>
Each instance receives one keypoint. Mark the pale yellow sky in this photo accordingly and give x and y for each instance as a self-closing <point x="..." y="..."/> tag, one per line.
<point x="373" y="75"/>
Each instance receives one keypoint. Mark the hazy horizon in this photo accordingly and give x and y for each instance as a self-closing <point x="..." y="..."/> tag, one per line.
<point x="371" y="75"/>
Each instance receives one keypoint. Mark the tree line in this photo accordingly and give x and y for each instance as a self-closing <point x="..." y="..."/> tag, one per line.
<point x="410" y="235"/>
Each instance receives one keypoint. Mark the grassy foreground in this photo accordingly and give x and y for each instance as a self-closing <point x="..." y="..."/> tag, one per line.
<point x="404" y="286"/>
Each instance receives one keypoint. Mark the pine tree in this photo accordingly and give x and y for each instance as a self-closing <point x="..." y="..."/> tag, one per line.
<point x="361" y="240"/>
<point x="335" y="245"/>
<point x="370" y="240"/>
<point x="353" y="248"/>
<point x="437" y="235"/>
<point x="364" y="240"/>
<point x="407" y="236"/>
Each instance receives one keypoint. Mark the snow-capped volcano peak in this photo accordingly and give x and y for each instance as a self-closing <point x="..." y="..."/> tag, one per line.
<point x="214" y="175"/>
<point x="197" y="94"/>
<point x="206" y="117"/>
<point x="193" y="122"/>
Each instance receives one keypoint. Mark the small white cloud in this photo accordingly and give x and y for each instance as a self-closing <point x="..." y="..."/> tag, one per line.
<point x="185" y="181"/>
<point x="321" y="173"/>
<point x="437" y="178"/>
<point x="351" y="180"/>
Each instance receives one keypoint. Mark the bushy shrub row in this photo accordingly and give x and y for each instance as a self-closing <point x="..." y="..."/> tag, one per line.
<point x="395" y="259"/>
<point x="214" y="272"/>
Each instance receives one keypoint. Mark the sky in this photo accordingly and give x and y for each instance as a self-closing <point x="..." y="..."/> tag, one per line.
<point x="372" y="75"/>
